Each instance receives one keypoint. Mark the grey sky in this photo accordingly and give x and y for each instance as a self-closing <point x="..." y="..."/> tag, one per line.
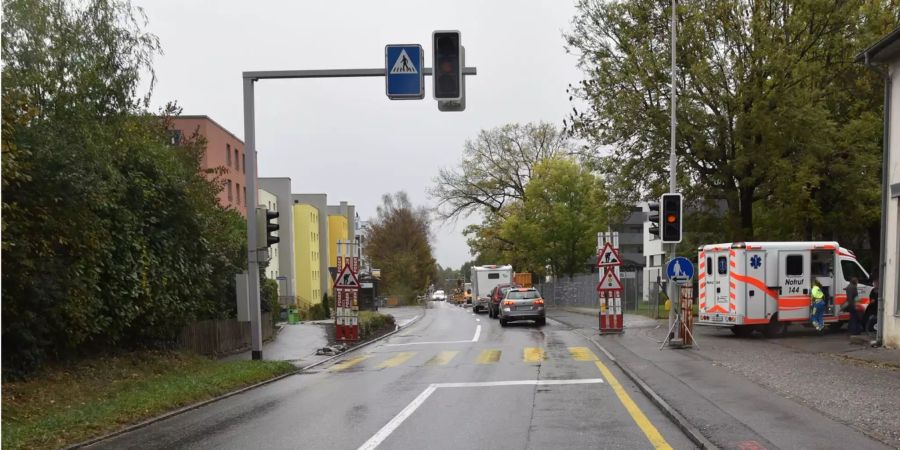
<point x="344" y="137"/>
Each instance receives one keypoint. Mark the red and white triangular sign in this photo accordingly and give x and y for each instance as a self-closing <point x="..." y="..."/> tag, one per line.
<point x="608" y="257"/>
<point x="609" y="282"/>
<point x="346" y="278"/>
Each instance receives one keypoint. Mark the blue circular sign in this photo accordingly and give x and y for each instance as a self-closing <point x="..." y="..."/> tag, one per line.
<point x="680" y="270"/>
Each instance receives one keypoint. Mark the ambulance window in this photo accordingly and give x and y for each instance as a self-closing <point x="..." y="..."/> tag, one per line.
<point x="794" y="265"/>
<point x="493" y="276"/>
<point x="723" y="265"/>
<point x="708" y="265"/>
<point x="851" y="269"/>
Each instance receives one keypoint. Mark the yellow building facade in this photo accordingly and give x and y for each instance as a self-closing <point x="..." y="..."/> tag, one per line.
<point x="307" y="267"/>
<point x="337" y="231"/>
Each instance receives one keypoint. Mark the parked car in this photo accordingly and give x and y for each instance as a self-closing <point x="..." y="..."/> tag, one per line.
<point x="497" y="295"/>
<point x="439" y="296"/>
<point x="522" y="304"/>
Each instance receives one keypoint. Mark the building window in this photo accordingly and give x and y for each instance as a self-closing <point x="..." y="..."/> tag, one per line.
<point x="237" y="192"/>
<point x="245" y="194"/>
<point x="230" y="195"/>
<point x="228" y="154"/>
<point x="237" y="162"/>
<point x="244" y="164"/>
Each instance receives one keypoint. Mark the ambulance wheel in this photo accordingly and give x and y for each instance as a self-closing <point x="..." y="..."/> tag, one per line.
<point x="742" y="330"/>
<point x="775" y="328"/>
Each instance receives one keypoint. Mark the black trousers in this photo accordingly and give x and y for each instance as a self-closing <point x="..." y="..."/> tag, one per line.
<point x="855" y="325"/>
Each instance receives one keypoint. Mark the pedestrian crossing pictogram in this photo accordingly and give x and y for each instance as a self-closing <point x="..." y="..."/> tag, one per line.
<point x="404" y="65"/>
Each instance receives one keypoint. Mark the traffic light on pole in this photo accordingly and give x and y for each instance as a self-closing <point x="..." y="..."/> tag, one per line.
<point x="671" y="218"/>
<point x="265" y="227"/>
<point x="447" y="65"/>
<point x="653" y="218"/>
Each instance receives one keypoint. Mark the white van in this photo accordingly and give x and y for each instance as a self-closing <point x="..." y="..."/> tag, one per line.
<point x="484" y="279"/>
<point x="767" y="285"/>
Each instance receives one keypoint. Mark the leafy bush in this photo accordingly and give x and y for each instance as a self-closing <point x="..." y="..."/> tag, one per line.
<point x="112" y="237"/>
<point x="372" y="324"/>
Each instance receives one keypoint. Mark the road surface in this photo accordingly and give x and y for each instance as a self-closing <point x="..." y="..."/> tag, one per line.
<point x="451" y="380"/>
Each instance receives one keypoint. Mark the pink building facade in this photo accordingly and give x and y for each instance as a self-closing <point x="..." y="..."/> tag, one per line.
<point x="223" y="149"/>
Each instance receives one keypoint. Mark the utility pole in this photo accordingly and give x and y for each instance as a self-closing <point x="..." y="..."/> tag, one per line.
<point x="673" y="185"/>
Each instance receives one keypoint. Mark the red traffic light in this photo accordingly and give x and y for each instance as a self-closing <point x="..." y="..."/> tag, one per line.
<point x="671" y="218"/>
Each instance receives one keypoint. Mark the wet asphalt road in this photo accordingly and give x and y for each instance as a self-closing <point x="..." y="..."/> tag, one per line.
<point x="452" y="380"/>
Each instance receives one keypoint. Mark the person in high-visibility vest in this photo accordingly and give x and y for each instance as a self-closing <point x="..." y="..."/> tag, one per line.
<point x="818" y="299"/>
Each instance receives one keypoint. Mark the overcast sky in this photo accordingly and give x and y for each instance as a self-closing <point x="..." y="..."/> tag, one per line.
<point x="344" y="137"/>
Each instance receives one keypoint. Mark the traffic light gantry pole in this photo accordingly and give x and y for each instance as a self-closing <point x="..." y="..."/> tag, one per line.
<point x="250" y="150"/>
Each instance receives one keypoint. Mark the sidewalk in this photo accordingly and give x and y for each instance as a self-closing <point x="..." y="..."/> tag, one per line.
<point x="298" y="343"/>
<point x="757" y="392"/>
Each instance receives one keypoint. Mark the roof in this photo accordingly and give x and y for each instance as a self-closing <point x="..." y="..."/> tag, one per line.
<point x="205" y="117"/>
<point x="885" y="50"/>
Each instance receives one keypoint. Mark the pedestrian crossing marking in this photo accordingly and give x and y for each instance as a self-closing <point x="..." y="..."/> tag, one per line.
<point x="582" y="354"/>
<point x="442" y="358"/>
<point x="488" y="356"/>
<point x="346" y="364"/>
<point x="533" y="354"/>
<point x="400" y="358"/>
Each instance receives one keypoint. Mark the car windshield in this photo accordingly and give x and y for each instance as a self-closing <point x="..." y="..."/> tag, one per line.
<point x="523" y="295"/>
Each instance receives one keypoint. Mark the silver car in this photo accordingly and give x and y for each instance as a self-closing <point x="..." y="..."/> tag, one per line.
<point x="522" y="304"/>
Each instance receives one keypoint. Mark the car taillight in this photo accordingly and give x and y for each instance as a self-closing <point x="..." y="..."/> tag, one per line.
<point x="539" y="301"/>
<point x="509" y="303"/>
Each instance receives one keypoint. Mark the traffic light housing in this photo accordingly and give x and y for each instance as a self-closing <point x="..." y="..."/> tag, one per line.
<point x="672" y="219"/>
<point x="447" y="65"/>
<point x="265" y="227"/>
<point x="653" y="218"/>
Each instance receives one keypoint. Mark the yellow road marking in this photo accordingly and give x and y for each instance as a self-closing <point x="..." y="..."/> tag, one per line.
<point x="639" y="418"/>
<point x="400" y="358"/>
<point x="442" y="358"/>
<point x="488" y="356"/>
<point x="346" y="364"/>
<point x="533" y="354"/>
<point x="582" y="354"/>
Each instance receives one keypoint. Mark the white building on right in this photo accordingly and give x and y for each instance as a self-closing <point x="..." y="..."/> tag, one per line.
<point x="884" y="57"/>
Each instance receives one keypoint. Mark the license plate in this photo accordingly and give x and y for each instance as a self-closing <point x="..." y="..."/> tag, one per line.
<point x="717" y="318"/>
<point x="521" y="308"/>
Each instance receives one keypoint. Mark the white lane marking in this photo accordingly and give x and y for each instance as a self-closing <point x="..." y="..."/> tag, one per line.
<point x="478" y="320"/>
<point x="404" y="414"/>
<point x="389" y="427"/>
<point x="474" y="339"/>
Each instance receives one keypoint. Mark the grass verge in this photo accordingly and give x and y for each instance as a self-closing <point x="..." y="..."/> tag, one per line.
<point x="69" y="404"/>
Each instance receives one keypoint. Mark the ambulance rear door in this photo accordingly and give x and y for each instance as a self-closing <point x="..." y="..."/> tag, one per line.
<point x="716" y="293"/>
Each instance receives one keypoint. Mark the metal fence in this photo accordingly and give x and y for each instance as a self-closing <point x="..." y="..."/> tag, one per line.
<point x="221" y="337"/>
<point x="581" y="291"/>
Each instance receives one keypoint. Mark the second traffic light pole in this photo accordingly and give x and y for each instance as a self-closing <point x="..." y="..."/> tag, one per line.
<point x="250" y="150"/>
<point x="673" y="162"/>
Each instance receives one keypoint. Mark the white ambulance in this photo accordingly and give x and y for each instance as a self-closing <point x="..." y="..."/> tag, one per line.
<point x="766" y="285"/>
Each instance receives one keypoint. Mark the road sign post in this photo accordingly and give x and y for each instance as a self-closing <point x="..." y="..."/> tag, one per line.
<point x="609" y="289"/>
<point x="346" y="293"/>
<point x="680" y="272"/>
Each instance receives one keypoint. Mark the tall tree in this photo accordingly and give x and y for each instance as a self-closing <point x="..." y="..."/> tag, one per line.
<point x="111" y="237"/>
<point x="771" y="107"/>
<point x="495" y="168"/>
<point x="399" y="244"/>
<point x="557" y="223"/>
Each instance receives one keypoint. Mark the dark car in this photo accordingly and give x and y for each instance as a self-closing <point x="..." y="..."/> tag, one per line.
<point x="522" y="304"/>
<point x="497" y="295"/>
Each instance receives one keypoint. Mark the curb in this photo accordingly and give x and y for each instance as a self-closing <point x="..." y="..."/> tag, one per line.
<point x="680" y="421"/>
<point x="203" y="403"/>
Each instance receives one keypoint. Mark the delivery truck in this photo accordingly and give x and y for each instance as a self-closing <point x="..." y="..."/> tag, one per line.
<point x="484" y="279"/>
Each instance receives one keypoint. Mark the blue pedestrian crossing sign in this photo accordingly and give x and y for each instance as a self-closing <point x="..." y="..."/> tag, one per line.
<point x="403" y="72"/>
<point x="680" y="270"/>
